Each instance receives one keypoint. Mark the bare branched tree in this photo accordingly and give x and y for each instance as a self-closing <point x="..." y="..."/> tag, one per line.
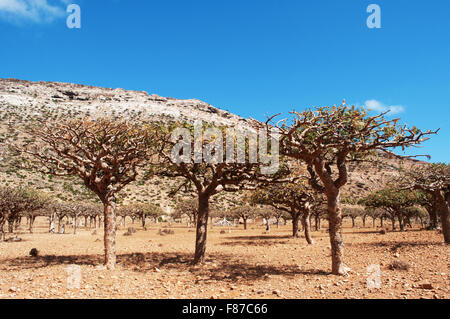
<point x="433" y="179"/>
<point x="332" y="136"/>
<point x="104" y="154"/>
<point x="209" y="177"/>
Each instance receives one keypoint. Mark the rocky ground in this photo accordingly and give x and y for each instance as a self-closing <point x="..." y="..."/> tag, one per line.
<point x="240" y="264"/>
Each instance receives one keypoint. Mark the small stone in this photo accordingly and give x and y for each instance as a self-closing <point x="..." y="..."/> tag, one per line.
<point x="427" y="286"/>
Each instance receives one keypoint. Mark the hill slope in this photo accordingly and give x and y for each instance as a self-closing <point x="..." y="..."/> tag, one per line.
<point x="22" y="102"/>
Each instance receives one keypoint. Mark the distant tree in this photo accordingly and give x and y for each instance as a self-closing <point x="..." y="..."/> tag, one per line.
<point x="208" y="177"/>
<point x="395" y="202"/>
<point x="294" y="198"/>
<point x="353" y="212"/>
<point x="243" y="212"/>
<point x="187" y="207"/>
<point x="433" y="179"/>
<point x="332" y="136"/>
<point x="17" y="200"/>
<point x="104" y="154"/>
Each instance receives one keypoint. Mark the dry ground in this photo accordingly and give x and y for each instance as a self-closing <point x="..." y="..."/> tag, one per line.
<point x="240" y="264"/>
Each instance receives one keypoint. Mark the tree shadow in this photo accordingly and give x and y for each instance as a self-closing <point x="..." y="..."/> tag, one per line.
<point x="262" y="237"/>
<point x="253" y="243"/>
<point x="394" y="246"/>
<point x="218" y="267"/>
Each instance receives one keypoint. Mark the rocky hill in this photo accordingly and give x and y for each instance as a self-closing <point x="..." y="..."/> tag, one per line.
<point x="22" y="102"/>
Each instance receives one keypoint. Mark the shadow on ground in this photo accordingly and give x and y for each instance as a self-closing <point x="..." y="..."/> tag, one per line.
<point x="218" y="267"/>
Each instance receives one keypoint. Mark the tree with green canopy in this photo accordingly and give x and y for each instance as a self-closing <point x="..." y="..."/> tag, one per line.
<point x="326" y="139"/>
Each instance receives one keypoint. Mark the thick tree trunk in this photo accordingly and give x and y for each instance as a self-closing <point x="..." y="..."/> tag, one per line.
<point x="432" y="211"/>
<point x="110" y="232"/>
<point x="2" y="227"/>
<point x="202" y="228"/>
<point x="316" y="223"/>
<point x="336" y="239"/>
<point x="32" y="218"/>
<point x="306" y="222"/>
<point x="401" y="222"/>
<point x="75" y="224"/>
<point x="245" y="223"/>
<point x="295" y="219"/>
<point x="143" y="221"/>
<point x="393" y="222"/>
<point x="11" y="226"/>
<point x="443" y="209"/>
<point x="2" y="232"/>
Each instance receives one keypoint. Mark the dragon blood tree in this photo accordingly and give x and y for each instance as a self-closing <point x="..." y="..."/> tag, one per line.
<point x="395" y="202"/>
<point x="214" y="160"/>
<point x="326" y="138"/>
<point x="296" y="199"/>
<point x="105" y="154"/>
<point x="433" y="179"/>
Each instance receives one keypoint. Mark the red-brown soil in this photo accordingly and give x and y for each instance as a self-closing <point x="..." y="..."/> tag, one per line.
<point x="240" y="264"/>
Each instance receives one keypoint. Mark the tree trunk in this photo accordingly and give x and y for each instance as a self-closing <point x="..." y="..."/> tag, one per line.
<point x="316" y="222"/>
<point x="401" y="222"/>
<point x="11" y="226"/>
<point x="2" y="230"/>
<point x="75" y="224"/>
<point x="202" y="228"/>
<point x="295" y="218"/>
<point x="364" y="221"/>
<point x="353" y="222"/>
<point x="110" y="232"/>
<point x="443" y="208"/>
<point x="432" y="211"/>
<point x="245" y="223"/>
<point x="393" y="222"/>
<point x="306" y="222"/>
<point x="2" y="226"/>
<point x="374" y="219"/>
<point x="381" y="221"/>
<point x="143" y="221"/>
<point x="336" y="239"/>
<point x="32" y="218"/>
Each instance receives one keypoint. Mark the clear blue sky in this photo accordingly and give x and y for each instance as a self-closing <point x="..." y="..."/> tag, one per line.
<point x="253" y="58"/>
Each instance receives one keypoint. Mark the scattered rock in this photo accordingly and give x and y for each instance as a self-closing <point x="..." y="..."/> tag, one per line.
<point x="165" y="231"/>
<point x="426" y="286"/>
<point x="34" y="252"/>
<point x="398" y="265"/>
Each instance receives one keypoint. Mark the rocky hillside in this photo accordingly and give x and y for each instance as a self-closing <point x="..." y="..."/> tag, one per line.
<point x="21" y="102"/>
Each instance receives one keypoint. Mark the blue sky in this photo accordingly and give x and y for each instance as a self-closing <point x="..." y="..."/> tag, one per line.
<point x="253" y="58"/>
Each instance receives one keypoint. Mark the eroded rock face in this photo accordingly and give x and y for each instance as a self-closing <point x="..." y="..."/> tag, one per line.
<point x="94" y="101"/>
